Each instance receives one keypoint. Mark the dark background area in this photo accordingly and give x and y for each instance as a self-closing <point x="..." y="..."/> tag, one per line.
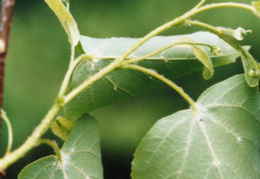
<point x="39" y="54"/>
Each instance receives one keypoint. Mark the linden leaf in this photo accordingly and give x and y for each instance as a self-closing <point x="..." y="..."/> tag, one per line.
<point x="122" y="84"/>
<point x="222" y="140"/>
<point x="80" y="156"/>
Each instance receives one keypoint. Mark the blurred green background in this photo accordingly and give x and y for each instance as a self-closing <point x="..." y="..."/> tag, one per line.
<point x="39" y="54"/>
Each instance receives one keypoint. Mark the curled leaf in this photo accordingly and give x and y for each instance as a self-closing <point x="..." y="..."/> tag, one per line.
<point x="256" y="7"/>
<point x="120" y="85"/>
<point x="252" y="71"/>
<point x="66" y="20"/>
<point x="202" y="56"/>
<point x="62" y="127"/>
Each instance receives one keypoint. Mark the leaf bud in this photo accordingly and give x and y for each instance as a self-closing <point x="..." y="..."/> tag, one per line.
<point x="215" y="50"/>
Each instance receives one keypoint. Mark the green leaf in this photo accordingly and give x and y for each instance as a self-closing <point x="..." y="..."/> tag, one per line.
<point x="81" y="156"/>
<point x="251" y="68"/>
<point x="123" y="84"/>
<point x="62" y="127"/>
<point x="252" y="79"/>
<point x="202" y="56"/>
<point x="110" y="48"/>
<point x="66" y="19"/>
<point x="222" y="140"/>
<point x="256" y="6"/>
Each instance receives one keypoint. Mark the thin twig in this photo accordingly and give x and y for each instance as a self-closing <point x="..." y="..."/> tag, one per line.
<point x="166" y="81"/>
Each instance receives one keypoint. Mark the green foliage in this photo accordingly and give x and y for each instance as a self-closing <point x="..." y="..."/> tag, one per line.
<point x="173" y="63"/>
<point x="80" y="156"/>
<point x="221" y="140"/>
<point x="217" y="137"/>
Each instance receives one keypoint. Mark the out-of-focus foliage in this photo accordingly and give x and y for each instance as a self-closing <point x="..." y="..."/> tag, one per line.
<point x="39" y="55"/>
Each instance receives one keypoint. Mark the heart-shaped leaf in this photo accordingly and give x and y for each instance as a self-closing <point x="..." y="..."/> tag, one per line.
<point x="222" y="140"/>
<point x="122" y="84"/>
<point x="80" y="156"/>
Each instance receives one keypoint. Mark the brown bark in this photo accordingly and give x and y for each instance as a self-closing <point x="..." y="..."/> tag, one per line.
<point x="5" y="26"/>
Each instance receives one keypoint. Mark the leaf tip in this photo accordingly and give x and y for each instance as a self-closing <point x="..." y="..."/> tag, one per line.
<point x="207" y="73"/>
<point x="256" y="8"/>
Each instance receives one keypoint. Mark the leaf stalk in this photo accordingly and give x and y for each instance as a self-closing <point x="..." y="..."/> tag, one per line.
<point x="10" y="131"/>
<point x="166" y="81"/>
<point x="54" y="145"/>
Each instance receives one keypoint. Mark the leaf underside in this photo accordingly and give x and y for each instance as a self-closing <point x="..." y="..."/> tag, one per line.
<point x="122" y="84"/>
<point x="221" y="141"/>
<point x="81" y="156"/>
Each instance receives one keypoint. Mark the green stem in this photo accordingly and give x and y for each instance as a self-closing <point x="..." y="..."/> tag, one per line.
<point x="166" y="81"/>
<point x="10" y="131"/>
<point x="69" y="73"/>
<point x="163" y="49"/>
<point x="228" y="4"/>
<point x="227" y="39"/>
<point x="111" y="67"/>
<point x="180" y="20"/>
<point x="177" y="21"/>
<point x="54" y="146"/>
<point x="200" y="4"/>
<point x="31" y="141"/>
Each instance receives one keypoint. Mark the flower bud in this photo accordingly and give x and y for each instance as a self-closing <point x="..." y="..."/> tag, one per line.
<point x="215" y="50"/>
<point x="239" y="33"/>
